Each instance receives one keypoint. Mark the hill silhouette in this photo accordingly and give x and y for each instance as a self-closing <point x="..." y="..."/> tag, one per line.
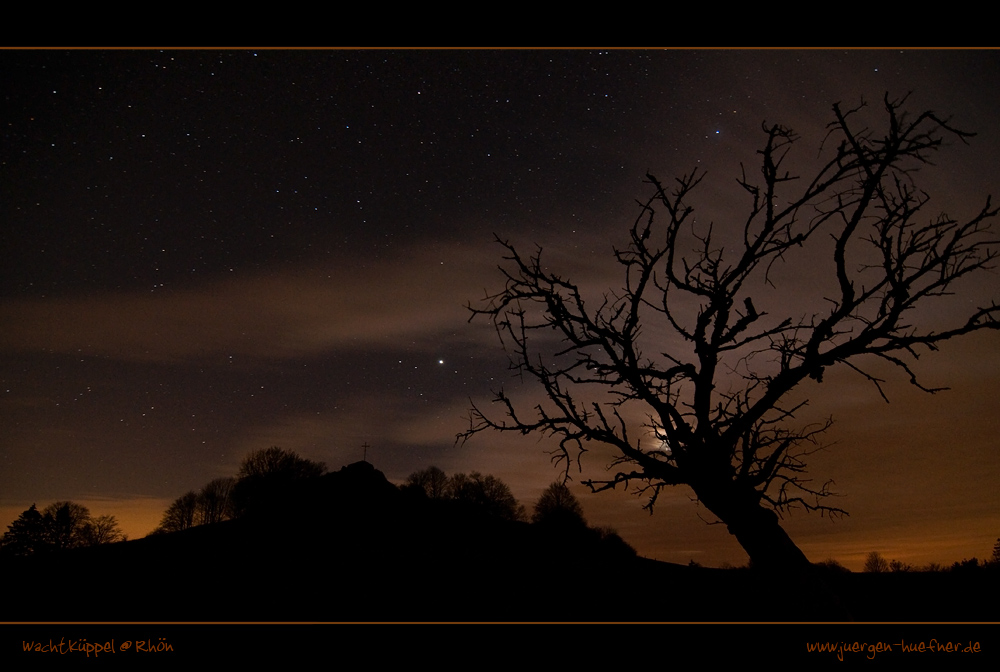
<point x="351" y="546"/>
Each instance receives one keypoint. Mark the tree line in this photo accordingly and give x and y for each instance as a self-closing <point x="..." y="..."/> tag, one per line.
<point x="557" y="508"/>
<point x="59" y="526"/>
<point x="261" y="472"/>
<point x="488" y="492"/>
<point x="264" y="475"/>
<point x="876" y="563"/>
<point x="65" y="525"/>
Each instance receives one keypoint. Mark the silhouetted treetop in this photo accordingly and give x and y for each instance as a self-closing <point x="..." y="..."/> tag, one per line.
<point x="181" y="514"/>
<point x="275" y="461"/>
<point x="558" y="506"/>
<point x="487" y="493"/>
<point x="65" y="522"/>
<point x="215" y="501"/>
<point x="102" y="530"/>
<point x="431" y="481"/>
<point x="266" y="475"/>
<point x="26" y="535"/>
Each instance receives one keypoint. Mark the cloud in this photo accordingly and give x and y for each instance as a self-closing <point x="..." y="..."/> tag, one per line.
<point x="293" y="313"/>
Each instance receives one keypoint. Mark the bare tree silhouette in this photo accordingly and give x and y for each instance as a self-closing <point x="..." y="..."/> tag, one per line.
<point x="875" y="563"/>
<point x="180" y="515"/>
<point x="432" y="481"/>
<point x="685" y="341"/>
<point x="215" y="501"/>
<point x="102" y="530"/>
<point x="65" y="523"/>
<point x="487" y="493"/>
<point x="275" y="461"/>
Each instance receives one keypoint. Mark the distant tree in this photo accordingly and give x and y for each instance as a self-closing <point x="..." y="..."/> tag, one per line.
<point x="899" y="566"/>
<point x="181" y="514"/>
<point x="558" y="506"/>
<point x="275" y="461"/>
<point x="875" y="563"/>
<point x="995" y="558"/>
<point x="264" y="473"/>
<point x="102" y="530"/>
<point x="458" y="486"/>
<point x="967" y="565"/>
<point x="64" y="524"/>
<point x="26" y="535"/>
<point x="488" y="493"/>
<point x="215" y="501"/>
<point x="432" y="481"/>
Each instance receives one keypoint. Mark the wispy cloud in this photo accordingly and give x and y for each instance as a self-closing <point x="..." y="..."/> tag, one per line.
<point x="293" y="313"/>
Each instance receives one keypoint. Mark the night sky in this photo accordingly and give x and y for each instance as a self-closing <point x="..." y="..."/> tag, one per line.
<point x="209" y="252"/>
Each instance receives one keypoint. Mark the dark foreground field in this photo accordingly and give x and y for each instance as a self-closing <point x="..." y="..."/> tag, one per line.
<point x="355" y="548"/>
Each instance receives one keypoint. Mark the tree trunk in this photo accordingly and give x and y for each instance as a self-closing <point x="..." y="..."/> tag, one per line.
<point x="774" y="555"/>
<point x="759" y="532"/>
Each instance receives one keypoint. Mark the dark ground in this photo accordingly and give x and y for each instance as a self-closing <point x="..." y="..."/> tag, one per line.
<point x="287" y="585"/>
<point x="355" y="548"/>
